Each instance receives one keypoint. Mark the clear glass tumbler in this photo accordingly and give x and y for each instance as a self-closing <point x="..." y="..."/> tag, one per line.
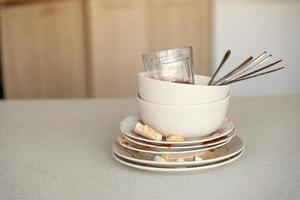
<point x="173" y="65"/>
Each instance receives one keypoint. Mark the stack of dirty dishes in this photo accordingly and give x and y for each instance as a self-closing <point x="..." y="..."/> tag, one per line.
<point x="182" y="123"/>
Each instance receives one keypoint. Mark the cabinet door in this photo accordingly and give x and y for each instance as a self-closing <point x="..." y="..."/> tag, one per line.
<point x="175" y="23"/>
<point x="121" y="30"/>
<point x="117" y="39"/>
<point x="43" y="50"/>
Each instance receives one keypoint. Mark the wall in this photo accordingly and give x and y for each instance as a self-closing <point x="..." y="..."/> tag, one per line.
<point x="250" y="27"/>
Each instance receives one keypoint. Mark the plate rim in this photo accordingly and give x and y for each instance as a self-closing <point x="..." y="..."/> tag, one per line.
<point x="151" y="162"/>
<point x="181" y="169"/>
<point x="173" y="152"/>
<point x="181" y="147"/>
<point x="205" y="139"/>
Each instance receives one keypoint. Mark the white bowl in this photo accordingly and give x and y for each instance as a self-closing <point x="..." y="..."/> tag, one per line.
<point x="188" y="121"/>
<point x="167" y="93"/>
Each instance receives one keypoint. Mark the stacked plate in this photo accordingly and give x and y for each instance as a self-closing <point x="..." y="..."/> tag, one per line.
<point x="216" y="149"/>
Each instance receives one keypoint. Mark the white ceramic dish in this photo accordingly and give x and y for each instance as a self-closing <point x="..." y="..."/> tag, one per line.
<point x="132" y="146"/>
<point x="176" y="169"/>
<point x="167" y="93"/>
<point x="232" y="148"/>
<point x="180" y="148"/>
<point x="127" y="126"/>
<point x="188" y="121"/>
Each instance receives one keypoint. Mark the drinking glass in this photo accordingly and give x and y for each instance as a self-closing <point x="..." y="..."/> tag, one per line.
<point x="173" y="65"/>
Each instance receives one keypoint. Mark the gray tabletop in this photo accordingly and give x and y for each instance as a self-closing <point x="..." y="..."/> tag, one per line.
<point x="62" y="150"/>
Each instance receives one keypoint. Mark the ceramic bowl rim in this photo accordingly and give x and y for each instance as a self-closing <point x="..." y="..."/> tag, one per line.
<point x="182" y="106"/>
<point x="143" y="75"/>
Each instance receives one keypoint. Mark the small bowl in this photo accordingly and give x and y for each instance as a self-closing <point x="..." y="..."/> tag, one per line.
<point x="188" y="121"/>
<point x="167" y="93"/>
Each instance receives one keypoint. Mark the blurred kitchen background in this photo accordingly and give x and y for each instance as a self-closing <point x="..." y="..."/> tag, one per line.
<point x="92" y="48"/>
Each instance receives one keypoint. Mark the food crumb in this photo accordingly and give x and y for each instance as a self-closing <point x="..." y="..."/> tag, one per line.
<point x="174" y="138"/>
<point x="179" y="160"/>
<point x="197" y="158"/>
<point x="159" y="158"/>
<point x="147" y="132"/>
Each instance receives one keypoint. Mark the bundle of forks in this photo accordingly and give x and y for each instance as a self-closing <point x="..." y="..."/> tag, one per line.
<point x="250" y="68"/>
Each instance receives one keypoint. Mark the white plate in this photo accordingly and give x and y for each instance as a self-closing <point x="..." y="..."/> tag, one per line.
<point x="232" y="148"/>
<point x="132" y="146"/>
<point x="170" y="147"/>
<point x="176" y="169"/>
<point x="128" y="124"/>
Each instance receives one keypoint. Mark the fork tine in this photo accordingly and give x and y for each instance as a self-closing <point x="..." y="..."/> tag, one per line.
<point x="253" y="76"/>
<point x="260" y="69"/>
<point x="245" y="63"/>
<point x="250" y="66"/>
<point x="225" y="57"/>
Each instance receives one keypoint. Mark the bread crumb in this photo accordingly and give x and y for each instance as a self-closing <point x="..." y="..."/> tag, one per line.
<point x="174" y="138"/>
<point x="147" y="132"/>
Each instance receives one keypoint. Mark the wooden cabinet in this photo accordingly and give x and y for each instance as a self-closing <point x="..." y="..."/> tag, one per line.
<point x="74" y="48"/>
<point x="175" y="23"/>
<point x="117" y="39"/>
<point x="121" y="30"/>
<point x="43" y="50"/>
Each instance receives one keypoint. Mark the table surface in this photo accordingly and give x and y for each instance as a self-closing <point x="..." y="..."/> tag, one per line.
<point x="61" y="149"/>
